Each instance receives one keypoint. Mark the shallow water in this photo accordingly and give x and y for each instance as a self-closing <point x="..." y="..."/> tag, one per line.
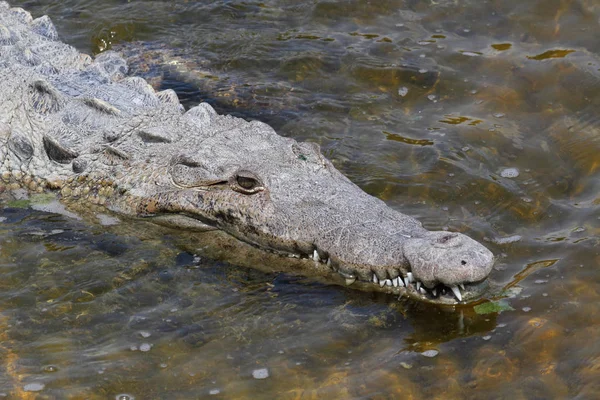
<point x="477" y="116"/>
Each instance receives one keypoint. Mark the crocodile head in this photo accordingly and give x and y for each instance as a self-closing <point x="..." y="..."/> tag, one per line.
<point x="285" y="196"/>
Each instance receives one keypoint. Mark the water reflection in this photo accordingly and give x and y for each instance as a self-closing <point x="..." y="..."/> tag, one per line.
<point x="431" y="106"/>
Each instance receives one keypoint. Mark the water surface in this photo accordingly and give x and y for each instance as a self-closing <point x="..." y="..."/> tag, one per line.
<point x="475" y="116"/>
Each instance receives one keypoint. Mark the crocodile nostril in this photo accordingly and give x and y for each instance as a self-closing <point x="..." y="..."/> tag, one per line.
<point x="463" y="262"/>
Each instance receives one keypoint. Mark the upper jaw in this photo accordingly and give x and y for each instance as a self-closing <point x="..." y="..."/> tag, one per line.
<point x="428" y="267"/>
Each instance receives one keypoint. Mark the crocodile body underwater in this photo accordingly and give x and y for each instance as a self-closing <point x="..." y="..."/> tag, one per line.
<point x="82" y="128"/>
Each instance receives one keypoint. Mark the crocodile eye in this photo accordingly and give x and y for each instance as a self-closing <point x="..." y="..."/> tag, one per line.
<point x="246" y="182"/>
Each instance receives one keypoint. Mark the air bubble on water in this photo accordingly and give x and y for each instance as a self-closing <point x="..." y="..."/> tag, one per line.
<point x="145" y="347"/>
<point x="499" y="115"/>
<point x="133" y="348"/>
<point x="514" y="291"/>
<point x="145" y="334"/>
<point x="431" y="97"/>
<point x="507" y="239"/>
<point x="214" y="391"/>
<point x="466" y="148"/>
<point x="124" y="396"/>
<point x="261" y="373"/>
<point x="422" y="71"/>
<point x="487" y="337"/>
<point x="509" y="173"/>
<point x="526" y="309"/>
<point x="405" y="365"/>
<point x="430" y="353"/>
<point x="541" y="281"/>
<point x="403" y="91"/>
<point x="34" y="387"/>
<point x="163" y="365"/>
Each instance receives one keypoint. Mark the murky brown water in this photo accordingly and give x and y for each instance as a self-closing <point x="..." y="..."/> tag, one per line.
<point x="478" y="116"/>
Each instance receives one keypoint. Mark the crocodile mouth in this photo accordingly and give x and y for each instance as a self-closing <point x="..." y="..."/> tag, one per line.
<point x="401" y="284"/>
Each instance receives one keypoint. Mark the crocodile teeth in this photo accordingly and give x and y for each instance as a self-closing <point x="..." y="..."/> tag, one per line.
<point x="395" y="282"/>
<point x="350" y="281"/>
<point x="462" y="286"/>
<point x="456" y="292"/>
<point x="382" y="282"/>
<point x="388" y="282"/>
<point x="422" y="291"/>
<point x="375" y="280"/>
<point x="400" y="281"/>
<point x="409" y="277"/>
<point x="329" y="262"/>
<point x="418" y="285"/>
<point x="316" y="256"/>
<point x="434" y="292"/>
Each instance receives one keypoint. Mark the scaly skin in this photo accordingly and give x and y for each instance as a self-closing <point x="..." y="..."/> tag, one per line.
<point x="79" y="127"/>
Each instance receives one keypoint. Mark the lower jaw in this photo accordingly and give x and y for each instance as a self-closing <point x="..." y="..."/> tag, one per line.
<point x="440" y="294"/>
<point x="402" y="285"/>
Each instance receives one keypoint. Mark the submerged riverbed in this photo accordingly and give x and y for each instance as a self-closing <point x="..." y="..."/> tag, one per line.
<point x="474" y="116"/>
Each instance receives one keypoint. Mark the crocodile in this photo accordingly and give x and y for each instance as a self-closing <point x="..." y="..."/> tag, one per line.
<point x="80" y="127"/>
